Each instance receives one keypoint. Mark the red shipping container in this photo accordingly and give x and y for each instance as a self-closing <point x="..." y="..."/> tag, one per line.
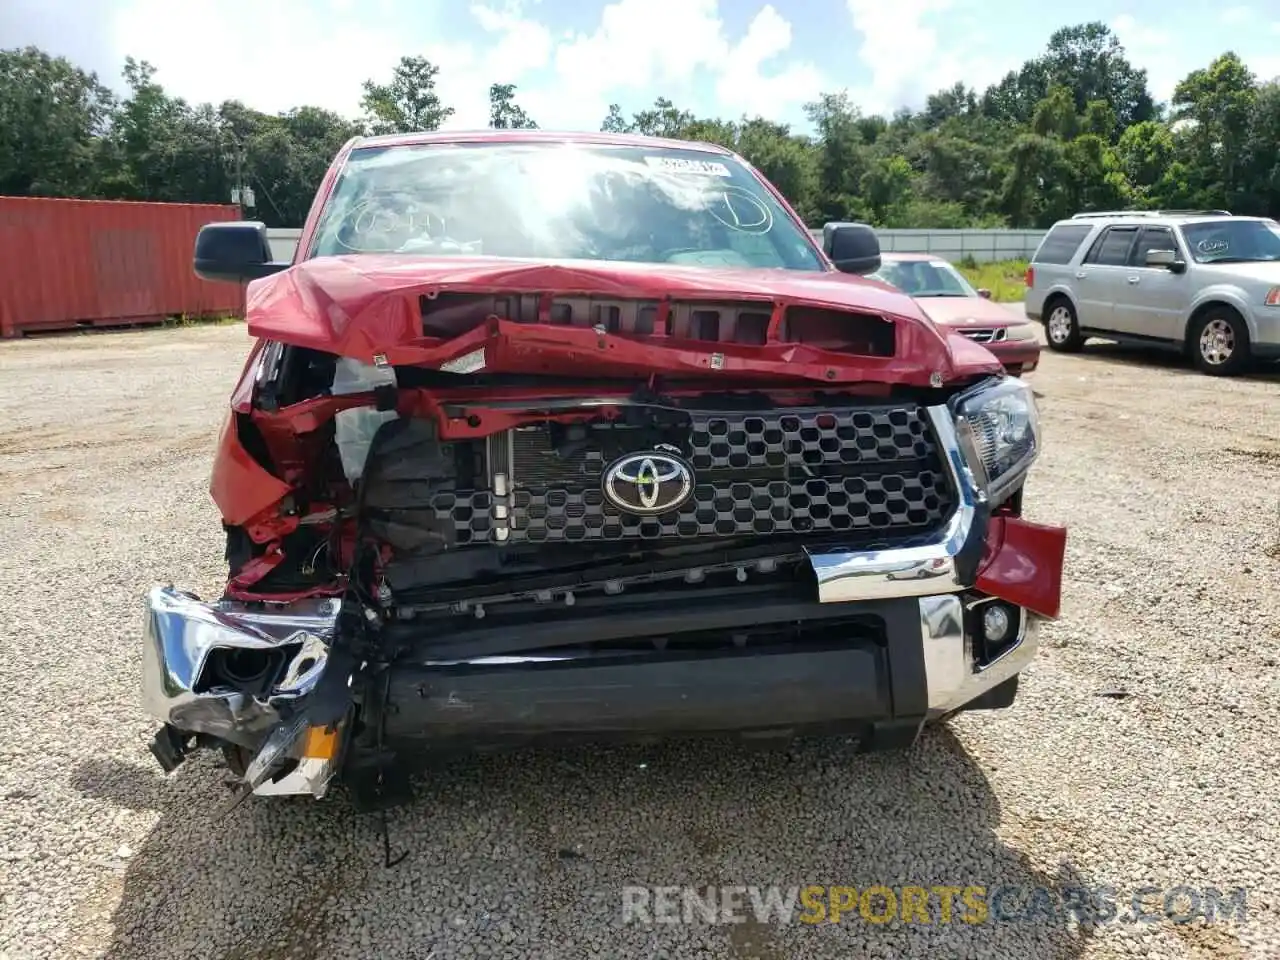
<point x="71" y="263"/>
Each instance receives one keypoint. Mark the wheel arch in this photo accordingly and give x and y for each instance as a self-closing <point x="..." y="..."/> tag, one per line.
<point x="1207" y="305"/>
<point x="1052" y="297"/>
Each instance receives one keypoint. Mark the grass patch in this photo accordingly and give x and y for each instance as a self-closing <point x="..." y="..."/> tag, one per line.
<point x="1005" y="278"/>
<point x="206" y="320"/>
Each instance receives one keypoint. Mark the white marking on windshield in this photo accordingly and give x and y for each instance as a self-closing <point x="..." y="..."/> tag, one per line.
<point x="682" y="165"/>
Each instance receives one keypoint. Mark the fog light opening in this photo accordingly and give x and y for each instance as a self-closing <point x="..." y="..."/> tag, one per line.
<point x="995" y="624"/>
<point x="997" y="628"/>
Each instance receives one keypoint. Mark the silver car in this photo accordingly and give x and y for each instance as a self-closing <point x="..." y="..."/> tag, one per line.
<point x="1205" y="282"/>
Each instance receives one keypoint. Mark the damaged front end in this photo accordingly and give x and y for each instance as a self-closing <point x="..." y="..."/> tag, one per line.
<point x="492" y="593"/>
<point x="500" y="504"/>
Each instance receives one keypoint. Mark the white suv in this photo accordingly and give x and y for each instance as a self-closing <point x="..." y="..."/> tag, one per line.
<point x="1201" y="281"/>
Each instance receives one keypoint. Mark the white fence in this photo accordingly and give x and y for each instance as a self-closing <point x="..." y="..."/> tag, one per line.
<point x="982" y="245"/>
<point x="283" y="242"/>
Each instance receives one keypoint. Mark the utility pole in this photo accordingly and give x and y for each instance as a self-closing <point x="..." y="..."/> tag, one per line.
<point x="241" y="192"/>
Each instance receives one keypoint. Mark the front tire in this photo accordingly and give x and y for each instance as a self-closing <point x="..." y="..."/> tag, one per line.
<point x="1219" y="343"/>
<point x="1062" y="327"/>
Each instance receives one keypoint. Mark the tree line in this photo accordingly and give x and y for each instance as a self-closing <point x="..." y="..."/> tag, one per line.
<point x="1075" y="128"/>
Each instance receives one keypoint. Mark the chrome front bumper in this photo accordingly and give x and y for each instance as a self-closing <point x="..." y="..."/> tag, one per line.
<point x="183" y="632"/>
<point x="953" y="673"/>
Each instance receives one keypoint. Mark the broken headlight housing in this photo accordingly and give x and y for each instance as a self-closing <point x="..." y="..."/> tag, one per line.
<point x="999" y="431"/>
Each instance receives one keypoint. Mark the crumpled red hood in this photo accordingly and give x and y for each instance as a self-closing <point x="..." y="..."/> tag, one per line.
<point x="368" y="305"/>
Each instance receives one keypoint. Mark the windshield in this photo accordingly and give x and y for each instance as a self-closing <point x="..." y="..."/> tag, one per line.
<point x="925" y="278"/>
<point x="1233" y="241"/>
<point x="560" y="201"/>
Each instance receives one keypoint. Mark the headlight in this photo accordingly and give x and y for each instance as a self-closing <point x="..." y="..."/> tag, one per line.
<point x="999" y="430"/>
<point x="1021" y="331"/>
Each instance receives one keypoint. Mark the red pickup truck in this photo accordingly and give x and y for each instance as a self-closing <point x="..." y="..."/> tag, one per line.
<point x="552" y="436"/>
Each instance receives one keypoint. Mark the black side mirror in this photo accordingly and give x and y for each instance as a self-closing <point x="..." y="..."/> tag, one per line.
<point x="236" y="250"/>
<point x="852" y="247"/>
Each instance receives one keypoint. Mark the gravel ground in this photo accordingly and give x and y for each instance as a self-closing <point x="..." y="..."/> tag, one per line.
<point x="1140" y="752"/>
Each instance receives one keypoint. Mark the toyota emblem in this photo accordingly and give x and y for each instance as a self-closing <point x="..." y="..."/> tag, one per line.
<point x="648" y="484"/>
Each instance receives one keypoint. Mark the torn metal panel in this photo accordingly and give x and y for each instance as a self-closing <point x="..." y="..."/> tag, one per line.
<point x="182" y="638"/>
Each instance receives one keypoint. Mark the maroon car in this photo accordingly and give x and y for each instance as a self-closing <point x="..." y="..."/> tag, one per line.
<point x="551" y="436"/>
<point x="949" y="299"/>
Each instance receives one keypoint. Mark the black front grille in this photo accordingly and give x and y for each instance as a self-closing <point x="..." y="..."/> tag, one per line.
<point x="872" y="470"/>
<point x="986" y="334"/>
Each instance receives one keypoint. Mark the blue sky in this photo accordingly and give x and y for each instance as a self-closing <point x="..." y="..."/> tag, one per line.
<point x="571" y="58"/>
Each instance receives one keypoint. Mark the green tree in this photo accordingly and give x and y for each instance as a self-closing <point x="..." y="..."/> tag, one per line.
<point x="615" y="122"/>
<point x="1055" y="115"/>
<point x="1015" y="97"/>
<point x="1096" y="180"/>
<point x="52" y="118"/>
<point x="504" y="112"/>
<point x="1145" y="153"/>
<point x="1073" y="128"/>
<point x="789" y="162"/>
<point x="282" y="157"/>
<point x="1089" y="61"/>
<point x="721" y="132"/>
<point x="161" y="148"/>
<point x="887" y="187"/>
<point x="409" y="103"/>
<point x="1034" y="192"/>
<point x="1215" y="107"/>
<point x="663" y="119"/>
<point x="957" y="101"/>
<point x="1100" y="118"/>
<point x="843" y="157"/>
<point x="1259" y="155"/>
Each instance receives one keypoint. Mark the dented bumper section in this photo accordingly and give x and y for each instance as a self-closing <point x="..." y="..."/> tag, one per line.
<point x="910" y="659"/>
<point x="242" y="674"/>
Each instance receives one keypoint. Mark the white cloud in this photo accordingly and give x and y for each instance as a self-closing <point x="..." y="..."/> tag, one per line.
<point x="1169" y="58"/>
<point x="671" y="47"/>
<point x="637" y="46"/>
<point x="1235" y="16"/>
<point x="514" y="46"/>
<point x="1150" y="47"/>
<point x="1266" y="67"/>
<point x="288" y="52"/>
<point x="745" y="84"/>
<point x="273" y="56"/>
<point x="907" y="61"/>
<point x="644" y="43"/>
